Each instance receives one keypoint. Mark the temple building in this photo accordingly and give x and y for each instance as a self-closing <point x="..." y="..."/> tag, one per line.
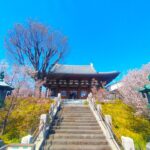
<point x="76" y="81"/>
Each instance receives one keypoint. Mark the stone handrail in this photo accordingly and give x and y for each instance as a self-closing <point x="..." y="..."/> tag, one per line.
<point x="106" y="123"/>
<point x="127" y="142"/>
<point x="45" y="122"/>
<point x="37" y="138"/>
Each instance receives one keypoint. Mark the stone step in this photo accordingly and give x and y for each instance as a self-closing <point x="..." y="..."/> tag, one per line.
<point x="76" y="141"/>
<point x="76" y="107"/>
<point x="79" y="119"/>
<point x="78" y="123"/>
<point x="77" y="136"/>
<point x="76" y="120"/>
<point x="77" y="115"/>
<point x="77" y="127"/>
<point x="76" y="112"/>
<point x="77" y="147"/>
<point x="73" y="131"/>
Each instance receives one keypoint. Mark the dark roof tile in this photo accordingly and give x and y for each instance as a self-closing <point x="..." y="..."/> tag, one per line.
<point x="73" y="69"/>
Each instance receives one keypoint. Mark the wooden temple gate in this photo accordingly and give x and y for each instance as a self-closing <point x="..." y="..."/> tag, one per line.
<point x="75" y="81"/>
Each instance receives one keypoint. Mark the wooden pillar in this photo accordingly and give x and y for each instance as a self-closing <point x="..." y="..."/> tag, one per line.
<point x="46" y="92"/>
<point x="67" y="89"/>
<point x="78" y="92"/>
<point x="79" y="88"/>
<point x="49" y="93"/>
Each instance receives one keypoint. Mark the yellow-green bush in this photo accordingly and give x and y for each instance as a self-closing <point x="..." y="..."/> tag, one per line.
<point x="24" y="118"/>
<point x="125" y="123"/>
<point x="85" y="103"/>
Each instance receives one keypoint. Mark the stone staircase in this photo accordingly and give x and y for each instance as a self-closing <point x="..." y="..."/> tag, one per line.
<point x="75" y="128"/>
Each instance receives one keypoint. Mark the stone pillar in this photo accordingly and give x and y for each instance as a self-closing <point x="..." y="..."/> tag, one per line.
<point x="26" y="139"/>
<point x="46" y="93"/>
<point x="90" y="95"/>
<point x="42" y="126"/>
<point x="127" y="143"/>
<point x="49" y="93"/>
<point x="148" y="146"/>
<point x="108" y="120"/>
<point x="59" y="96"/>
<point x="99" y="108"/>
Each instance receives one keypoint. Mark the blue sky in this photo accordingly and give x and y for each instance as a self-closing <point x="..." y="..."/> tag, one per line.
<point x="112" y="34"/>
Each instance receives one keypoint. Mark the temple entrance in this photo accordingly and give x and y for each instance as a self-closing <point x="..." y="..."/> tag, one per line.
<point x="75" y="81"/>
<point x="73" y="94"/>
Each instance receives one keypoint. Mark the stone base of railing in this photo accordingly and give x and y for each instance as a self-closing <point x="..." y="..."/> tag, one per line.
<point x="148" y="146"/>
<point x="104" y="122"/>
<point x="127" y="143"/>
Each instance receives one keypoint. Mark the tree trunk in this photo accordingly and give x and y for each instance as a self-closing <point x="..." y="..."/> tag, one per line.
<point x="6" y="118"/>
<point x="10" y="109"/>
<point x="46" y="92"/>
<point x="37" y="92"/>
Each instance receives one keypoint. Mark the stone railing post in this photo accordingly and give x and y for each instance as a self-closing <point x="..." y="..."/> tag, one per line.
<point x="42" y="126"/>
<point x="59" y="96"/>
<point x="90" y="95"/>
<point x="127" y="143"/>
<point x="99" y="108"/>
<point x="26" y="139"/>
<point x="148" y="146"/>
<point x="108" y="120"/>
<point x="51" y="110"/>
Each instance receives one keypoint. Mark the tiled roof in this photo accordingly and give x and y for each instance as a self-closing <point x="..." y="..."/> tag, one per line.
<point x="73" y="69"/>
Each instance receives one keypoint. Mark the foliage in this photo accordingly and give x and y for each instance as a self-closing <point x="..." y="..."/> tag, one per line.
<point x="132" y="82"/>
<point x="100" y="93"/>
<point x="18" y="77"/>
<point x="125" y="123"/>
<point x="85" y="103"/>
<point x="24" y="118"/>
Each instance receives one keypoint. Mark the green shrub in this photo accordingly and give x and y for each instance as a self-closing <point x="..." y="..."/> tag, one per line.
<point x="125" y="123"/>
<point x="24" y="118"/>
<point x="85" y="103"/>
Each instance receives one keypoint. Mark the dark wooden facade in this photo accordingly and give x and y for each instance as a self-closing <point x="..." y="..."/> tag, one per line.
<point x="76" y="85"/>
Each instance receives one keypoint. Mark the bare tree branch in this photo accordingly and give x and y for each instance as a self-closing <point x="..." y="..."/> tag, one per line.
<point x="36" y="45"/>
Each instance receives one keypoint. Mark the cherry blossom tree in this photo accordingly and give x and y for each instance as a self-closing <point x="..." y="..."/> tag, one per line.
<point x="21" y="80"/>
<point x="100" y="93"/>
<point x="132" y="82"/>
<point x="18" y="77"/>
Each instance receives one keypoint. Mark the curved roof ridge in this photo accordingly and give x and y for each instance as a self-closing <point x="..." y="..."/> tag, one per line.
<point x="62" y="68"/>
<point x="109" y="72"/>
<point x="78" y="69"/>
<point x="72" y="65"/>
